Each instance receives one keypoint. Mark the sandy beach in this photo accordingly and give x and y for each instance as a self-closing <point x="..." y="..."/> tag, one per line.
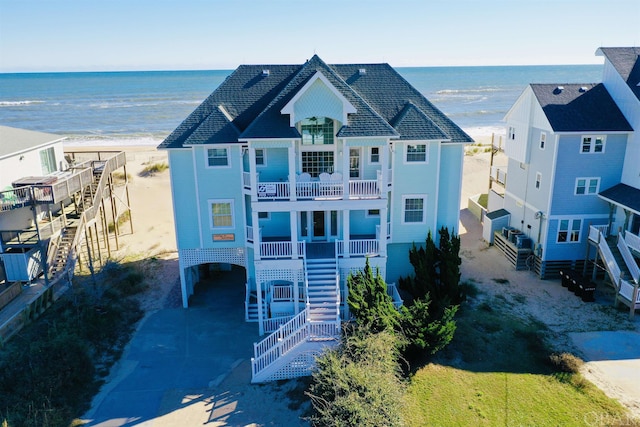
<point x="547" y="301"/>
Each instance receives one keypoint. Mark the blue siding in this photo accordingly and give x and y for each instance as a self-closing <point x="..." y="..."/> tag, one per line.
<point x="318" y="101"/>
<point x="450" y="184"/>
<point x="398" y="264"/>
<point x="571" y="250"/>
<point x="277" y="168"/>
<point x="184" y="199"/>
<point x="360" y="224"/>
<point x="277" y="226"/>
<point x="572" y="164"/>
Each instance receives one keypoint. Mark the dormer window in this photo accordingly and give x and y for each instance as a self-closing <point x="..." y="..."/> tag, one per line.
<point x="317" y="131"/>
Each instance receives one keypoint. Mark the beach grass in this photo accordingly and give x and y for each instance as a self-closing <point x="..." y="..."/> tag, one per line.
<point x="498" y="370"/>
<point x="154" y="168"/>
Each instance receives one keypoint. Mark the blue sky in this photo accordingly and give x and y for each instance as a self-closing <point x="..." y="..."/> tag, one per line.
<point x="79" y="35"/>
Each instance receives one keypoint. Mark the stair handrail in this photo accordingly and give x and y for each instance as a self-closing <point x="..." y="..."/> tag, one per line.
<point x="632" y="241"/>
<point x="288" y="336"/>
<point x="337" y="299"/>
<point x="628" y="258"/>
<point x="612" y="266"/>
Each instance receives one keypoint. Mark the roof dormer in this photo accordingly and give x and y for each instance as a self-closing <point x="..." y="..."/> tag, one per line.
<point x="318" y="97"/>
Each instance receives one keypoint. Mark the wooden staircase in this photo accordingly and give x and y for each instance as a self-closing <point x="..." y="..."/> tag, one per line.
<point x="322" y="290"/>
<point x="64" y="244"/>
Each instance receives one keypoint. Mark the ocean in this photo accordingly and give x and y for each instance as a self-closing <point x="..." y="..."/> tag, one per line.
<point x="143" y="107"/>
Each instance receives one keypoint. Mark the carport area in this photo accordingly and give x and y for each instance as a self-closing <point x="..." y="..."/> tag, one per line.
<point x="178" y="358"/>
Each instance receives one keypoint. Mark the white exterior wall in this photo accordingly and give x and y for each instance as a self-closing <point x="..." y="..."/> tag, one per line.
<point x="27" y="163"/>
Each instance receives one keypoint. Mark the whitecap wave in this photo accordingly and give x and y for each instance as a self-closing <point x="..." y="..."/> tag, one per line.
<point x="484" y="131"/>
<point x="18" y="103"/>
<point x="113" y="141"/>
<point x="478" y="90"/>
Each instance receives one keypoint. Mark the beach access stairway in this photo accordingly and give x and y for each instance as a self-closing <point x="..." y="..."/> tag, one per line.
<point x="64" y="248"/>
<point x="620" y="256"/>
<point x="290" y="351"/>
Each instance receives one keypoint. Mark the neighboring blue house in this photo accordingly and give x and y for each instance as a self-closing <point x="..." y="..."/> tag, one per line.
<point x="298" y="173"/>
<point x="573" y="163"/>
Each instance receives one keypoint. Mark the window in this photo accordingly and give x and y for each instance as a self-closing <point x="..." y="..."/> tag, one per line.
<point x="543" y="140"/>
<point x="587" y="186"/>
<point x="538" y="179"/>
<point x="373" y="213"/>
<point x="354" y="163"/>
<point x="413" y="208"/>
<point x="592" y="144"/>
<point x="316" y="162"/>
<point x="374" y="155"/>
<point x="263" y="215"/>
<point x="217" y="157"/>
<point x="221" y="214"/>
<point x="512" y="133"/>
<point x="569" y="230"/>
<point x="48" y="161"/>
<point x="417" y="153"/>
<point x="317" y="131"/>
<point x="261" y="157"/>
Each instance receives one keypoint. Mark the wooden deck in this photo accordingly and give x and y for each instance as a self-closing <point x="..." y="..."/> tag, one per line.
<point x="516" y="256"/>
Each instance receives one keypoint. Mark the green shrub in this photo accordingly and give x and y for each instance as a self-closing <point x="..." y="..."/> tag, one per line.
<point x="358" y="384"/>
<point x="425" y="332"/>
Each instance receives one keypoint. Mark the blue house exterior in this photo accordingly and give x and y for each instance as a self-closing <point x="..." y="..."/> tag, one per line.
<point x="573" y="151"/>
<point x="299" y="173"/>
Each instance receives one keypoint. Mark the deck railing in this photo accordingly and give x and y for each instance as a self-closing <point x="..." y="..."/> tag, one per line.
<point x="595" y="231"/>
<point x="364" y="188"/>
<point x="358" y="189"/>
<point x="14" y="198"/>
<point x="392" y="291"/>
<point x="246" y="179"/>
<point x="628" y="259"/>
<point x="359" y="247"/>
<point x="632" y="241"/>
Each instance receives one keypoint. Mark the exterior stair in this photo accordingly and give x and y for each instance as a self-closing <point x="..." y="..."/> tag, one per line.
<point x="61" y="255"/>
<point x="322" y="290"/>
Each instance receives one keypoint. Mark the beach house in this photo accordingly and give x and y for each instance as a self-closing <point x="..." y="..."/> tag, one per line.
<point x="572" y="180"/>
<point x="53" y="208"/>
<point x="299" y="173"/>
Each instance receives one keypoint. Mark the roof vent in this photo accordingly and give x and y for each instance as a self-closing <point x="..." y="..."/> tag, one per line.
<point x="362" y="71"/>
<point x="560" y="88"/>
<point x="265" y="73"/>
<point x="583" y="89"/>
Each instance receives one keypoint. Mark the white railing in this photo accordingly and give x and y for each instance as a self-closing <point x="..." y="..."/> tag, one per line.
<point x="388" y="230"/>
<point x="392" y="291"/>
<point x="281" y="341"/>
<point x="319" y="189"/>
<point x="339" y="248"/>
<point x="14" y="198"/>
<point x="389" y="177"/>
<point x="499" y="175"/>
<point x="272" y="324"/>
<point x="632" y="241"/>
<point x="275" y="250"/>
<point x="246" y="179"/>
<point x="627" y="291"/>
<point x="282" y="293"/>
<point x="249" y="231"/>
<point x="612" y="265"/>
<point x="273" y="190"/>
<point x="337" y="302"/>
<point x="364" y="188"/>
<point x="595" y="232"/>
<point x="364" y="247"/>
<point x="628" y="259"/>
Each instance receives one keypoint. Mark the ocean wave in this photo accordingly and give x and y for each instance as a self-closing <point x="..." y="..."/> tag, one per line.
<point x="113" y="140"/>
<point x="484" y="131"/>
<point x="477" y="90"/>
<point x="18" y="103"/>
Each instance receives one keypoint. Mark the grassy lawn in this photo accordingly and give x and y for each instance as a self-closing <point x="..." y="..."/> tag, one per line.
<point x="497" y="371"/>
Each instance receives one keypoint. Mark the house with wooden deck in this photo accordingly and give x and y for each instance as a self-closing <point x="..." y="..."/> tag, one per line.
<point x="571" y="195"/>
<point x="54" y="208"/>
<point x="299" y="173"/>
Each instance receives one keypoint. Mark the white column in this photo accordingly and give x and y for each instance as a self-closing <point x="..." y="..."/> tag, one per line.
<point x="257" y="237"/>
<point x="384" y="166"/>
<point x="345" y="232"/>
<point x="293" y="221"/>
<point x="292" y="170"/>
<point x="259" y="298"/>
<point x="345" y="169"/>
<point x="253" y="176"/>
<point x="383" y="232"/>
<point x="183" y="285"/>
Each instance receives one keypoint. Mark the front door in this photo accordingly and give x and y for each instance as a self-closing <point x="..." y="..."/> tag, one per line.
<point x="319" y="229"/>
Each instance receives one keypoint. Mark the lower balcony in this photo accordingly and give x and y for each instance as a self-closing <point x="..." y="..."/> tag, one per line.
<point x="283" y="248"/>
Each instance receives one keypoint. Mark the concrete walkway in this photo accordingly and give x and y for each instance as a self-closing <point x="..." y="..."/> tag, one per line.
<point x="176" y="360"/>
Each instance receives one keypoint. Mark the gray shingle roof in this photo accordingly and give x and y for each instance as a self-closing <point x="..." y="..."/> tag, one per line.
<point x="624" y="195"/>
<point x="626" y="61"/>
<point x="254" y="101"/>
<point x="14" y="140"/>
<point x="580" y="108"/>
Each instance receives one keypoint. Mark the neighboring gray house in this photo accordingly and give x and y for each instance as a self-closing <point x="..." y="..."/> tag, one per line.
<point x="573" y="170"/>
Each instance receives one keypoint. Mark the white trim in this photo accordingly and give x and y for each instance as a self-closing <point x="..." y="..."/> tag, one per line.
<point x="198" y="207"/>
<point x="347" y="107"/>
<point x="231" y="202"/>
<point x="370" y="153"/>
<point x="592" y="146"/>
<point x="359" y="150"/>
<point x="368" y="215"/>
<point x="578" y="216"/>
<point x="587" y="184"/>
<point x="414" y="162"/>
<point x="227" y="148"/>
<point x="569" y="230"/>
<point x="424" y="208"/>
<point x="264" y="158"/>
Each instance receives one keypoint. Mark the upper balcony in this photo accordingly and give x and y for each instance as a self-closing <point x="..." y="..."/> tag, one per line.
<point x="326" y="187"/>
